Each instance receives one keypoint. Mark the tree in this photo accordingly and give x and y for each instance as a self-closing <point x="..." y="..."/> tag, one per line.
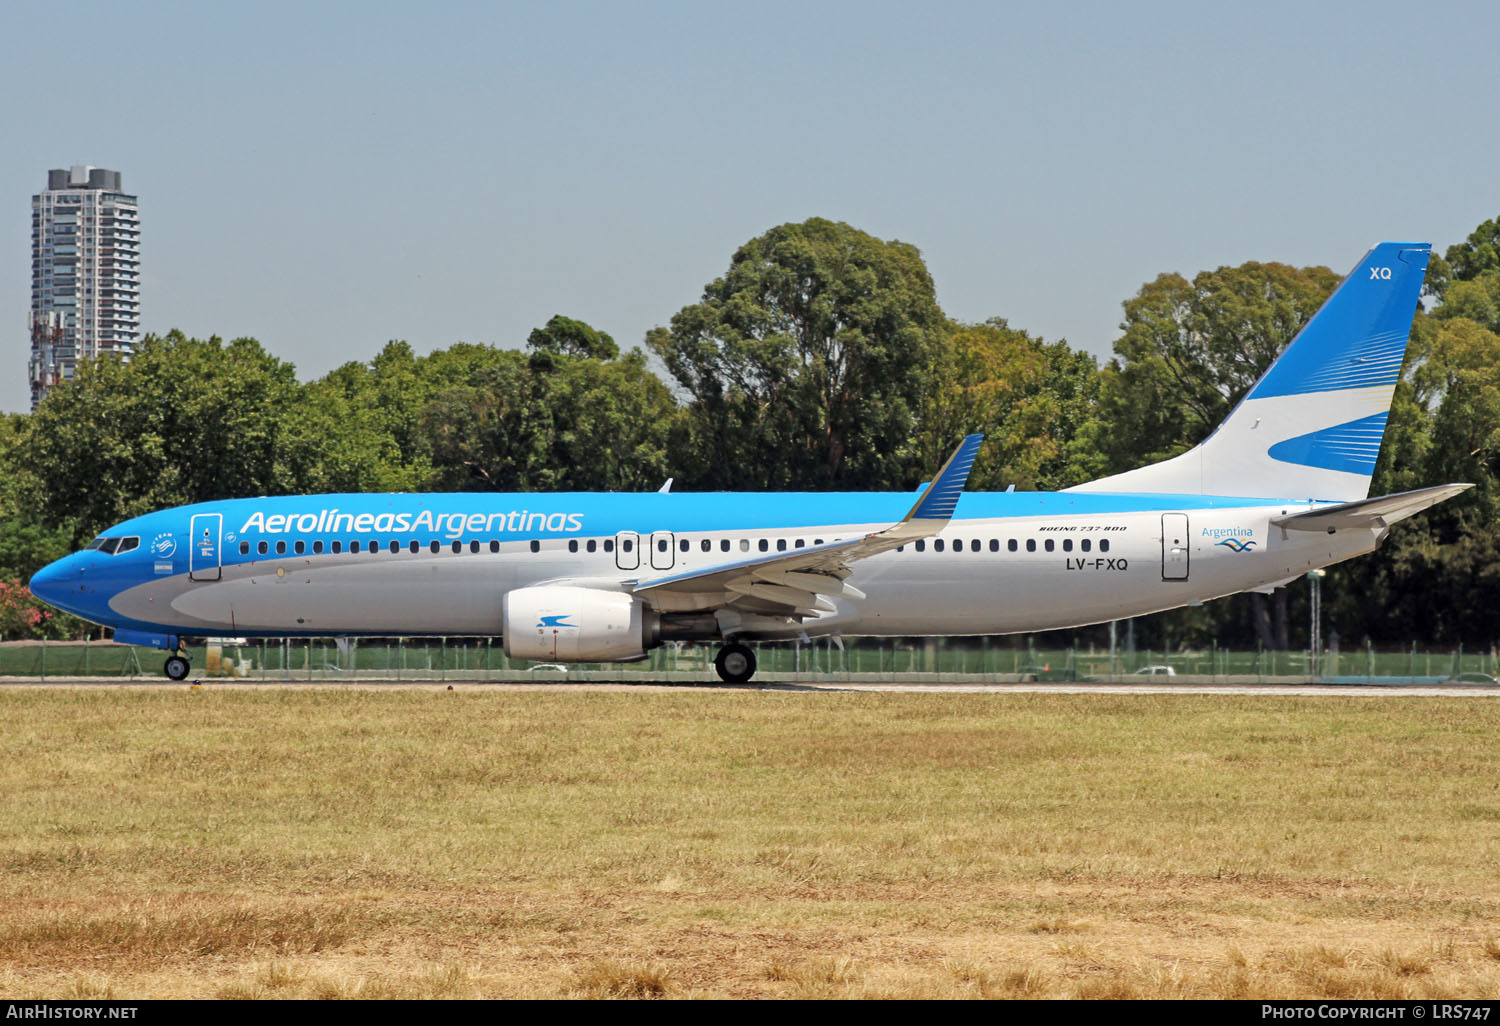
<point x="806" y="363"/>
<point x="560" y="419"/>
<point x="484" y="429"/>
<point x="1477" y="255"/>
<point x="1031" y="399"/>
<point x="1476" y="299"/>
<point x="1465" y="532"/>
<point x="356" y="429"/>
<point x="1467" y="278"/>
<point x="1191" y="350"/>
<point x="185" y="420"/>
<point x="565" y="336"/>
<point x="27" y="543"/>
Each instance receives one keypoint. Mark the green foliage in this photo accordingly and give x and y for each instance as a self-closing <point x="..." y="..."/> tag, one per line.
<point x="563" y="335"/>
<point x="1031" y="399"/>
<point x="1191" y="350"/>
<point x="1468" y="279"/>
<point x="1476" y="299"/>
<point x="1465" y="368"/>
<point x="186" y="420"/>
<point x="498" y="420"/>
<point x="27" y="545"/>
<point x="807" y="362"/>
<point x="356" y="429"/>
<point x="1478" y="254"/>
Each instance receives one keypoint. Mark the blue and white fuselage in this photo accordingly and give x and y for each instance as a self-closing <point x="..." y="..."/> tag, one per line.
<point x="1006" y="561"/>
<point x="599" y="577"/>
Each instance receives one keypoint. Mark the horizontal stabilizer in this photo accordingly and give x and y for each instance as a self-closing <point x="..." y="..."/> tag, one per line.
<point x="1378" y="512"/>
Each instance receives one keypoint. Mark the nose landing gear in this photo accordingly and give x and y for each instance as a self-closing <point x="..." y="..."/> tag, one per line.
<point x="177" y="666"/>
<point x="735" y="664"/>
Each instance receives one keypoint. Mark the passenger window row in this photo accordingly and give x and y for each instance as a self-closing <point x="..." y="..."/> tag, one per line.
<point x="111" y="546"/>
<point x="300" y="547"/>
<point x="1011" y="545"/>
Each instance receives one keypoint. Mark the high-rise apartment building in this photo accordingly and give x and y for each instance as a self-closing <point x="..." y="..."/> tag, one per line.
<point x="85" y="273"/>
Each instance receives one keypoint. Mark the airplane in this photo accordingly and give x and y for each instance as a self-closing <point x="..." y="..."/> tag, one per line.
<point x="1280" y="488"/>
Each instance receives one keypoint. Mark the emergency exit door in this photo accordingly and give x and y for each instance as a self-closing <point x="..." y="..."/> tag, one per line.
<point x="1174" y="547"/>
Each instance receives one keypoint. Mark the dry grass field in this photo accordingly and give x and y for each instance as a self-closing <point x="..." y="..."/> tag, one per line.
<point x="241" y="843"/>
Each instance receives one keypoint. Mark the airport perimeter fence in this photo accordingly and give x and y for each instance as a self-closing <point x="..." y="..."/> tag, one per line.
<point x="946" y="660"/>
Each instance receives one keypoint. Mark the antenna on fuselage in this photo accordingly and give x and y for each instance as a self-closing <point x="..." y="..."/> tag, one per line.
<point x="664" y="489"/>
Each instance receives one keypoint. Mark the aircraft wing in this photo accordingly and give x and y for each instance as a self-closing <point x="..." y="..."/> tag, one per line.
<point x="1378" y="512"/>
<point x="791" y="583"/>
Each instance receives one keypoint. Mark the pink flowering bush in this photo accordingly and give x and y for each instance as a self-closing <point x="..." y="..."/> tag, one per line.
<point x="23" y="615"/>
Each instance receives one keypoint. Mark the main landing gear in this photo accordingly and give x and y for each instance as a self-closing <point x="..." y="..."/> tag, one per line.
<point x="735" y="663"/>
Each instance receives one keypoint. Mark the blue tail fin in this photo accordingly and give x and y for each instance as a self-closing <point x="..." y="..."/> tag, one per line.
<point x="1358" y="338"/>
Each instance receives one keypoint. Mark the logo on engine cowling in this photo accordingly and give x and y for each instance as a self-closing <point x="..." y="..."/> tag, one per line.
<point x="556" y="621"/>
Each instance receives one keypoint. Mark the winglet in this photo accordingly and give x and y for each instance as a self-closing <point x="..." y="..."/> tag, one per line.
<point x="941" y="497"/>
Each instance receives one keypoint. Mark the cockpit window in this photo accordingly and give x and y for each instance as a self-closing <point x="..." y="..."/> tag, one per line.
<point x="114" y="546"/>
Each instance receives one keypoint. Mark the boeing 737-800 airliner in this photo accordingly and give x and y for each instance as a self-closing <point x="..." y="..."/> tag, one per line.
<point x="1279" y="489"/>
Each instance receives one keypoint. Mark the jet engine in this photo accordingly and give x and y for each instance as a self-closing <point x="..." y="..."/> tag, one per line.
<point x="566" y="624"/>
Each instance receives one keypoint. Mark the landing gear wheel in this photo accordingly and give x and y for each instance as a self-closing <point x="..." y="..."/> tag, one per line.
<point x="176" y="667"/>
<point x="735" y="663"/>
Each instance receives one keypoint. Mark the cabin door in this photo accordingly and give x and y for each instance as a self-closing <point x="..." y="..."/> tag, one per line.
<point x="203" y="547"/>
<point x="1174" y="547"/>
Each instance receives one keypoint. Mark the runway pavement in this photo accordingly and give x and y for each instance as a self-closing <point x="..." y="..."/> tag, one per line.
<point x="1319" y="690"/>
<point x="1440" y="690"/>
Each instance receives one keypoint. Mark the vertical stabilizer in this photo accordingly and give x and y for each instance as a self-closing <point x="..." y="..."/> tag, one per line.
<point x="1311" y="427"/>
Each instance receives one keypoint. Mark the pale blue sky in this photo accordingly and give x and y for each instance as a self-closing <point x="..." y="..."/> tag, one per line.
<point x="328" y="176"/>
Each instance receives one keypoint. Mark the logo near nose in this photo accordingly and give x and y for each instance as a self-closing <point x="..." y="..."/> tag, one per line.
<point x="163" y="545"/>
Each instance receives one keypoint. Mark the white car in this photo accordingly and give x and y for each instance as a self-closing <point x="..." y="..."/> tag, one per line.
<point x="1155" y="671"/>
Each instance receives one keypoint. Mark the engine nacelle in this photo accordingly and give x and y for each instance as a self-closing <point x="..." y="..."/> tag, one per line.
<point x="563" y="624"/>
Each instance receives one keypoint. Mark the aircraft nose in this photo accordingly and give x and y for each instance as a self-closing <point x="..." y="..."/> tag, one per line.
<point x="51" y="582"/>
